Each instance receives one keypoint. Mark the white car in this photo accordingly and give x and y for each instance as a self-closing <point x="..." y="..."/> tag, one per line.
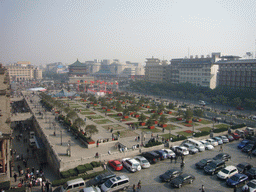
<point x="224" y="139"/>
<point x="212" y="142"/>
<point x="131" y="164"/>
<point x="169" y="152"/>
<point x="251" y="186"/>
<point x="207" y="145"/>
<point x="227" y="172"/>
<point x="143" y="161"/>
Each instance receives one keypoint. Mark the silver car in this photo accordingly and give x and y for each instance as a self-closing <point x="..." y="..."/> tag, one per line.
<point x="191" y="148"/>
<point x="143" y="162"/>
<point x="224" y="139"/>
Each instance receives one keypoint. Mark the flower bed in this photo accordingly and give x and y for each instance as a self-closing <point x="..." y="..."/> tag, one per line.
<point x="188" y="125"/>
<point x="169" y="112"/>
<point x="151" y="127"/>
<point x="179" y="119"/>
<point x="188" y="131"/>
<point x="163" y="125"/>
<point x="125" y="117"/>
<point x="142" y="123"/>
<point x="189" y="121"/>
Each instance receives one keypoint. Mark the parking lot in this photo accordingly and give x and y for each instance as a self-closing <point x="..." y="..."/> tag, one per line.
<point x="150" y="177"/>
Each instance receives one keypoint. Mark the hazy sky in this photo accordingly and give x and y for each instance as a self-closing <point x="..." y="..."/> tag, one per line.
<point x="46" y="31"/>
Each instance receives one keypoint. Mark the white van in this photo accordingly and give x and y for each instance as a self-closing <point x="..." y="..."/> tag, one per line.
<point x="118" y="183"/>
<point x="31" y="134"/>
<point x="73" y="185"/>
<point x="197" y="144"/>
<point x="32" y="142"/>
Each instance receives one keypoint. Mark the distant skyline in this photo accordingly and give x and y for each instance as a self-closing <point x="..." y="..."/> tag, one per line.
<point x="46" y="31"/>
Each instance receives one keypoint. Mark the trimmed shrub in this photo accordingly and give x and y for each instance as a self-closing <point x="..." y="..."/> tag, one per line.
<point x="5" y="185"/>
<point x="238" y="126"/>
<point x="81" y="169"/>
<point x="220" y="130"/>
<point x="88" y="167"/>
<point x="181" y="137"/>
<point x="200" y="134"/>
<point x="73" y="172"/>
<point x="65" y="174"/>
<point x="95" y="164"/>
<point x="152" y="143"/>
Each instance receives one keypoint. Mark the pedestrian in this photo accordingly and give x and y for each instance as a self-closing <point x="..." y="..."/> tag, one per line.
<point x="15" y="177"/>
<point x="134" y="188"/>
<point x="235" y="188"/>
<point x="221" y="148"/>
<point x="47" y="184"/>
<point x="163" y="130"/>
<point x="139" y="184"/>
<point x="249" y="154"/>
<point x="202" y="189"/>
<point x="175" y="158"/>
<point x="171" y="158"/>
<point x="182" y="164"/>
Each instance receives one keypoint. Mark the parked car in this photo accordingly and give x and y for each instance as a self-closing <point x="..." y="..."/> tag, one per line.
<point x="243" y="143"/>
<point x="247" y="148"/>
<point x="201" y="164"/>
<point x="182" y="180"/>
<point x="162" y="154"/>
<point x="212" y="142"/>
<point x="254" y="152"/>
<point x="222" y="156"/>
<point x="169" y="152"/>
<point x="170" y="175"/>
<point x="237" y="179"/>
<point x="118" y="183"/>
<point x="91" y="189"/>
<point x="100" y="179"/>
<point x="116" y="165"/>
<point x="207" y="145"/>
<point x="191" y="148"/>
<point x="179" y="150"/>
<point x="251" y="173"/>
<point x="219" y="140"/>
<point x="249" y="131"/>
<point x="131" y="164"/>
<point x="235" y="136"/>
<point x="214" y="167"/>
<point x="152" y="157"/>
<point x="224" y="139"/>
<point x="143" y="161"/>
<point x="230" y="138"/>
<point x="251" y="186"/>
<point x="243" y="167"/>
<point x="227" y="172"/>
<point x="240" y="133"/>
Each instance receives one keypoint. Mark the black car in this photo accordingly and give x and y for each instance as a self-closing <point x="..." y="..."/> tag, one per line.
<point x="230" y="138"/>
<point x="182" y="180"/>
<point x="243" y="167"/>
<point x="251" y="173"/>
<point x="169" y="175"/>
<point x="247" y="148"/>
<point x="151" y="156"/>
<point x="214" y="167"/>
<point x="100" y="179"/>
<point x="222" y="156"/>
<point x="201" y="164"/>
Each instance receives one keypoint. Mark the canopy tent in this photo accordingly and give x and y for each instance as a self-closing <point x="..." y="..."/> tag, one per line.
<point x="65" y="93"/>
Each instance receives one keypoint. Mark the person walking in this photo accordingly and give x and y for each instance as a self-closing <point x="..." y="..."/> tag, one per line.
<point x="171" y="158"/>
<point x="139" y="184"/>
<point x="221" y="148"/>
<point x="15" y="177"/>
<point x="249" y="154"/>
<point x="175" y="158"/>
<point x="134" y="188"/>
<point x="202" y="189"/>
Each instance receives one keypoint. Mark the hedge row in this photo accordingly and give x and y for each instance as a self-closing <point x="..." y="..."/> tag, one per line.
<point x="220" y="130"/>
<point x="181" y="137"/>
<point x="153" y="143"/>
<point x="202" y="133"/>
<point x="84" y="176"/>
<point x="238" y="126"/>
<point x="79" y="169"/>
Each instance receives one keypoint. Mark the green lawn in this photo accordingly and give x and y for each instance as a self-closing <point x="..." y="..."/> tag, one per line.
<point x="204" y="129"/>
<point x="184" y="123"/>
<point x="170" y="126"/>
<point x="205" y="122"/>
<point x="114" y="127"/>
<point x="127" y="133"/>
<point x="173" y="119"/>
<point x="103" y="121"/>
<point x="167" y="136"/>
<point x="87" y="113"/>
<point x="152" y="130"/>
<point x="95" y="116"/>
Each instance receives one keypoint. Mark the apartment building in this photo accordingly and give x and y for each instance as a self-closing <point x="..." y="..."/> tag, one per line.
<point x="5" y="130"/>
<point x="24" y="71"/>
<point x="155" y="70"/>
<point x="236" y="73"/>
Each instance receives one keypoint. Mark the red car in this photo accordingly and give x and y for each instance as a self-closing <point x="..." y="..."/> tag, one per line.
<point x="117" y="165"/>
<point x="236" y="136"/>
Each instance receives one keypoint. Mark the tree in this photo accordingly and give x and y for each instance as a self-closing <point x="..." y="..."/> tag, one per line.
<point x="163" y="119"/>
<point x="171" y="106"/>
<point x="150" y="122"/>
<point x="72" y="115"/>
<point x="79" y="123"/>
<point x="67" y="110"/>
<point x="91" y="129"/>
<point x="142" y="117"/>
<point x="188" y="114"/>
<point x="155" y="116"/>
<point x="180" y="113"/>
<point x="153" y="106"/>
<point x="198" y="112"/>
<point x="237" y="102"/>
<point x="125" y="112"/>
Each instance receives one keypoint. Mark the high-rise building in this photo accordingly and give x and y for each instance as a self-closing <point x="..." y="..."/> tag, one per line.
<point x="154" y="70"/>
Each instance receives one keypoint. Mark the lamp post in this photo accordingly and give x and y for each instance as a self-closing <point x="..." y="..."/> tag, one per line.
<point x="69" y="148"/>
<point x="60" y="137"/>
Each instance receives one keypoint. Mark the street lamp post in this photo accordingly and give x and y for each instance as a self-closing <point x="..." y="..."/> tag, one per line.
<point x="60" y="137"/>
<point x="69" y="148"/>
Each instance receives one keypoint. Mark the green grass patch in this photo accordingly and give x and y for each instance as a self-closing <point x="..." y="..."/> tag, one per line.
<point x="204" y="129"/>
<point x="87" y="113"/>
<point x="205" y="122"/>
<point x="114" y="127"/>
<point x="174" y="119"/>
<point x="103" y="121"/>
<point x="170" y="126"/>
<point x="95" y="117"/>
<point x="167" y="136"/>
<point x="126" y="133"/>
<point x="150" y="130"/>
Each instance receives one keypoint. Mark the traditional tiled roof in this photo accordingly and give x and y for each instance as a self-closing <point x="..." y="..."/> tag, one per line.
<point x="104" y="72"/>
<point x="77" y="64"/>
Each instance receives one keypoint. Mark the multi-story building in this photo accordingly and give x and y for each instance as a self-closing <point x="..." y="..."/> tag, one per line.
<point x="236" y="73"/>
<point x="154" y="70"/>
<point x="24" y="71"/>
<point x="57" y="67"/>
<point x="5" y="130"/>
<point x="199" y="71"/>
